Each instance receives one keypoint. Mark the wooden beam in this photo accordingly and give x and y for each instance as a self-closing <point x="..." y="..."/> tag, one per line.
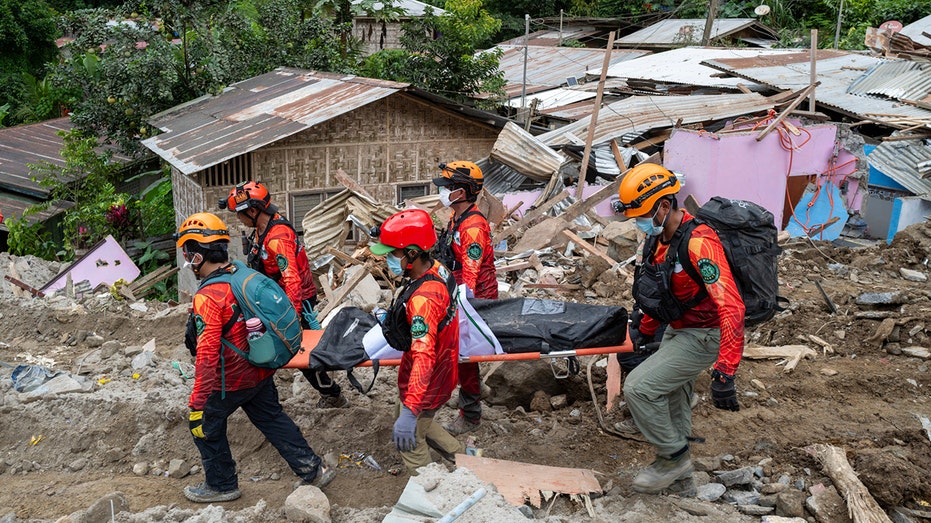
<point x="861" y="506"/>
<point x="342" y="256"/>
<point x="530" y="216"/>
<point x="25" y="286"/>
<point x="344" y="291"/>
<point x="801" y="97"/>
<point x="794" y="354"/>
<point x="517" y="481"/>
<point x="352" y="185"/>
<point x="325" y="285"/>
<point x="591" y="249"/>
<point x="593" y="121"/>
<point x="618" y="157"/>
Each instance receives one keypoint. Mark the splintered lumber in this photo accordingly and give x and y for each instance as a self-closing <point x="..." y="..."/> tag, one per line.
<point x="591" y="249"/>
<point x="529" y="217"/>
<point x="352" y="185"/>
<point x="794" y="353"/>
<point x="344" y="291"/>
<point x="342" y="256"/>
<point x="861" y="507"/>
<point x="517" y="481"/>
<point x="142" y="286"/>
<point x="25" y="286"/>
<point x="801" y="96"/>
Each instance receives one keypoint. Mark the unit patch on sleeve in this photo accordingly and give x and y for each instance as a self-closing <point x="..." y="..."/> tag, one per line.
<point x="474" y="251"/>
<point x="418" y="327"/>
<point x="709" y="271"/>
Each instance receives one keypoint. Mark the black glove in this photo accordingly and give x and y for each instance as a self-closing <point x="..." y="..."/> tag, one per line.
<point x="643" y="344"/>
<point x="190" y="336"/>
<point x="723" y="391"/>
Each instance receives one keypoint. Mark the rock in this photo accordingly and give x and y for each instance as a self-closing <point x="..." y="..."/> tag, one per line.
<point x="543" y="234"/>
<point x="827" y="506"/>
<point x="132" y="350"/>
<point x="141" y="468"/>
<point x="754" y="510"/>
<point x="307" y="504"/>
<point x="178" y="468"/>
<point x="839" y="334"/>
<point x="741" y="497"/>
<point x="61" y="384"/>
<point x="706" y="464"/>
<point x="911" y="275"/>
<point x="540" y="402"/>
<point x="730" y="478"/>
<point x="791" y="503"/>
<point x="111" y="347"/>
<point x="917" y="352"/>
<point x="758" y="384"/>
<point x="103" y="509"/>
<point x="711" y="492"/>
<point x="882" y="298"/>
<point x="559" y="401"/>
<point x="781" y="519"/>
<point x="77" y="464"/>
<point x="622" y="239"/>
<point x="828" y="372"/>
<point x="592" y="269"/>
<point x="94" y="340"/>
<point x="773" y="488"/>
<point x="367" y="292"/>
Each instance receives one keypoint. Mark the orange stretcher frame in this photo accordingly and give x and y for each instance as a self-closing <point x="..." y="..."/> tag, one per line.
<point x="301" y="360"/>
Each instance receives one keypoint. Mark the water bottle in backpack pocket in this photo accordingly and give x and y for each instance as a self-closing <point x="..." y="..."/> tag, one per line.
<point x="261" y="345"/>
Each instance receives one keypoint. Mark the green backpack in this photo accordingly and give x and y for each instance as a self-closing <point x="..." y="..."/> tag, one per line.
<point x="258" y="296"/>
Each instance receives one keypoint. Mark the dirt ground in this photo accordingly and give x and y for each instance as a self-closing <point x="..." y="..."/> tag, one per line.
<point x="865" y="397"/>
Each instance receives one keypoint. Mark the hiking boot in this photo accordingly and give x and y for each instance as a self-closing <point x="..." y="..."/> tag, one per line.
<point x="627" y="427"/>
<point x="683" y="487"/>
<point x="333" y="402"/>
<point x="662" y="473"/>
<point x="325" y="476"/>
<point x="201" y="493"/>
<point x="462" y="425"/>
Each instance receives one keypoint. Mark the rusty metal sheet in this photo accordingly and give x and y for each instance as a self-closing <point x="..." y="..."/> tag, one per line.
<point x="550" y="66"/>
<point x="686" y="31"/>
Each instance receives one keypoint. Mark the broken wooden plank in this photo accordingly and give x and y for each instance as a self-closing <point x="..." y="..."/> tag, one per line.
<point x="342" y="256"/>
<point x="146" y="287"/>
<point x="325" y="285"/>
<point x="782" y="116"/>
<point x="591" y="249"/>
<point x="344" y="291"/>
<point x="618" y="157"/>
<point x="352" y="185"/>
<point x="157" y="274"/>
<point x="656" y="139"/>
<point x="517" y="481"/>
<point x="25" y="286"/>
<point x="861" y="506"/>
<point x="794" y="353"/>
<point x="593" y="119"/>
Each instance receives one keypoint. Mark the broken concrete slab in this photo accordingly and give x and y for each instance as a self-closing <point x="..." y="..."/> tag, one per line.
<point x="882" y="298"/>
<point x="917" y="352"/>
<point x="543" y="234"/>
<point x="307" y="504"/>
<point x="911" y="275"/>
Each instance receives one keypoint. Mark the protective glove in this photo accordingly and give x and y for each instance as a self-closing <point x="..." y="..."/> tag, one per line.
<point x="196" y="423"/>
<point x="190" y="336"/>
<point x="723" y="391"/>
<point x="405" y="428"/>
<point x="643" y="343"/>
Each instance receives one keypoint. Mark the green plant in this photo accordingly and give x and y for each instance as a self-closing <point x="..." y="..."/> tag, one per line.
<point x="30" y="239"/>
<point x="156" y="208"/>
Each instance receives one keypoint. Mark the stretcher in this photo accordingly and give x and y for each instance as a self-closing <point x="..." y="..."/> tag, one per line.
<point x="301" y="360"/>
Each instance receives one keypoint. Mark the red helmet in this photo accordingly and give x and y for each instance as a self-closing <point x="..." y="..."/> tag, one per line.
<point x="409" y="228"/>
<point x="246" y="195"/>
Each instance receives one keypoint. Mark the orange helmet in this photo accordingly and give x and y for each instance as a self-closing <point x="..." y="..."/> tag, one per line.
<point x="409" y="228"/>
<point x="204" y="228"/>
<point x="642" y="187"/>
<point x="461" y="174"/>
<point x="246" y="195"/>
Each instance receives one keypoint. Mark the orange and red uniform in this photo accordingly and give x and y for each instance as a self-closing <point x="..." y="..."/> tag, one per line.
<point x="723" y="308"/>
<point x="285" y="261"/>
<point x="214" y="307"/>
<point x="428" y="374"/>
<point x="472" y="249"/>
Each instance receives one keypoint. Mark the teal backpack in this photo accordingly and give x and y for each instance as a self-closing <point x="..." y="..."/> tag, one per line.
<point x="260" y="297"/>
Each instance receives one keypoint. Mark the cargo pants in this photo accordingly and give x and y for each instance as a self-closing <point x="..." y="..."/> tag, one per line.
<point x="429" y="434"/>
<point x="658" y="392"/>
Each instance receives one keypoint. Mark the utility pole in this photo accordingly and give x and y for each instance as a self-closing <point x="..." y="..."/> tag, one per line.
<point x="840" y="16"/>
<point x="560" y="25"/>
<point x="523" y="89"/>
<point x="709" y="22"/>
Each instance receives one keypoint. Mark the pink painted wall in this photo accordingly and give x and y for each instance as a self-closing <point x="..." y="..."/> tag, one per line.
<point x="735" y="165"/>
<point x="603" y="208"/>
<point x="106" y="262"/>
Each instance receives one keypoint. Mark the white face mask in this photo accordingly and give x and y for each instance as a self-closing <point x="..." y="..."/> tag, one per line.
<point x="445" y="197"/>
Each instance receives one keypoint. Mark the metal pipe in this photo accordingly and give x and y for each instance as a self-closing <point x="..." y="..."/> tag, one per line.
<point x="462" y="507"/>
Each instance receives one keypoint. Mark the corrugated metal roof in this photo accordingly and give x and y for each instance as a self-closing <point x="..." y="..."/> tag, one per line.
<point x="551" y="37"/>
<point x="915" y="29"/>
<point x="256" y="112"/>
<point x="552" y="65"/>
<point x="642" y="113"/>
<point x="901" y="161"/>
<point x="499" y="178"/>
<point x="323" y="225"/>
<point x="553" y="98"/>
<point x="684" y="66"/>
<point x="525" y="153"/>
<point x="836" y="70"/>
<point x="678" y="31"/>
<point x="900" y="80"/>
<point x="34" y="144"/>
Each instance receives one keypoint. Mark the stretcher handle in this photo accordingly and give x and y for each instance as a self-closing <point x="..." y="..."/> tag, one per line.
<point x="522" y="356"/>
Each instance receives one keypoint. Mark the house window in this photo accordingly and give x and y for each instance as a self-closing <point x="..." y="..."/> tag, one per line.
<point x="301" y="203"/>
<point x="406" y="192"/>
<point x="229" y="173"/>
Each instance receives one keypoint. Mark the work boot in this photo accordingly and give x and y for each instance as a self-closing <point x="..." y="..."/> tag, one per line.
<point x="662" y="473"/>
<point x="333" y="402"/>
<point x="462" y="425"/>
<point x="325" y="476"/>
<point x="201" y="493"/>
<point x="694" y="401"/>
<point x="684" y="487"/>
<point x="628" y="426"/>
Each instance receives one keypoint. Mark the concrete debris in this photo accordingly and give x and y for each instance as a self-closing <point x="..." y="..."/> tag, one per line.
<point x="307" y="504"/>
<point x="911" y="275"/>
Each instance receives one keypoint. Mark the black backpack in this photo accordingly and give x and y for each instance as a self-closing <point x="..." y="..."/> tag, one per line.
<point x="748" y="234"/>
<point x="341" y="345"/>
<point x="397" y="329"/>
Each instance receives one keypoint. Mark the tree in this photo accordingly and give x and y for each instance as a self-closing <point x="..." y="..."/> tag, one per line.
<point x="27" y="38"/>
<point x="439" y="53"/>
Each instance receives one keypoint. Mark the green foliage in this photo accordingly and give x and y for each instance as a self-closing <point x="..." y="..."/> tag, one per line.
<point x="388" y="64"/>
<point x="4" y="110"/>
<point x="30" y="238"/>
<point x="573" y="43"/>
<point x="156" y="209"/>
<point x="27" y="43"/>
<point x="40" y="100"/>
<point x="441" y="52"/>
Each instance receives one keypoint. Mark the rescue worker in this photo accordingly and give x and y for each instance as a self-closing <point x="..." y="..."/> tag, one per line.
<point x="225" y="381"/>
<point x="429" y="324"/>
<point x="275" y="250"/>
<point x="705" y="323"/>
<point x="465" y="248"/>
